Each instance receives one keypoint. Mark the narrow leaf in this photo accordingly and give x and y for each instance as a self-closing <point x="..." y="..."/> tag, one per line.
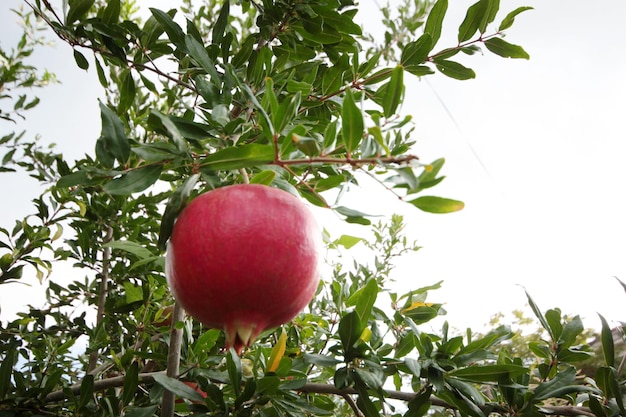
<point x="608" y="346"/>
<point x="433" y="204"/>
<point x="472" y="21"/>
<point x="264" y="177"/>
<point x="394" y="91"/>
<point x="435" y="20"/>
<point x="201" y="56"/>
<point x="504" y="49"/>
<point x="113" y="138"/>
<point x="177" y="387"/>
<point x="173" y="29"/>
<point x="78" y="9"/>
<point x="539" y="315"/>
<point x="174" y="205"/>
<point x="351" y="122"/>
<point x="486" y="373"/>
<point x="244" y="156"/>
<point x="508" y="21"/>
<point x="127" y="92"/>
<point x="129" y="246"/>
<point x="134" y="181"/>
<point x="454" y="70"/>
<point x="131" y="382"/>
<point x="278" y="351"/>
<point x="219" y="27"/>
<point x="416" y="53"/>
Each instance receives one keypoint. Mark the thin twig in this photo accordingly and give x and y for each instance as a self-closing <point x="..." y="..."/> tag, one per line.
<point x="173" y="359"/>
<point x="102" y="295"/>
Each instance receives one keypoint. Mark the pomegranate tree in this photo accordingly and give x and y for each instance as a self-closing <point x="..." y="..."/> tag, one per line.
<point x="244" y="258"/>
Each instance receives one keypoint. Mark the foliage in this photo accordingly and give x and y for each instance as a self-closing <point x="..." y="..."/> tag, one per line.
<point x="285" y="93"/>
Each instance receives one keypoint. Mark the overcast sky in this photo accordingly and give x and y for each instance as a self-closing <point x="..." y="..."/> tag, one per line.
<point x="534" y="148"/>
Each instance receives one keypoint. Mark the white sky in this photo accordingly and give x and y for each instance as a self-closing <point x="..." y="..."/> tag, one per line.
<point x="547" y="211"/>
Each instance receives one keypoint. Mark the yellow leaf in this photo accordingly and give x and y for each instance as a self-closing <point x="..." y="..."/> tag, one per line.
<point x="416" y="304"/>
<point x="278" y="351"/>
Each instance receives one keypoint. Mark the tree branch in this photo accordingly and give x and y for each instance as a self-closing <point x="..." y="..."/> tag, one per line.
<point x="102" y="295"/>
<point x="318" y="388"/>
<point x="173" y="359"/>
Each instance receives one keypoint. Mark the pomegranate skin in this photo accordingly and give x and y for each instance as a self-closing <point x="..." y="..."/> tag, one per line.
<point x="244" y="258"/>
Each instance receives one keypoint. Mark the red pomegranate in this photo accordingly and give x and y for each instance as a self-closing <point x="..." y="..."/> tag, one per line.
<point x="244" y="258"/>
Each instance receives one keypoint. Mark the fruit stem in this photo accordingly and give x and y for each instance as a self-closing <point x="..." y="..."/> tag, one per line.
<point x="244" y="175"/>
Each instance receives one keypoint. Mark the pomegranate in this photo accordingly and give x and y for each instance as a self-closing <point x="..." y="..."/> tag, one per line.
<point x="244" y="258"/>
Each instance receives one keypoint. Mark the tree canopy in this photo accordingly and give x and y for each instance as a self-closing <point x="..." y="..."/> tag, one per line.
<point x="292" y="94"/>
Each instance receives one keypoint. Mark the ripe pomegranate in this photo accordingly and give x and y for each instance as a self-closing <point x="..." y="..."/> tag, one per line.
<point x="244" y="258"/>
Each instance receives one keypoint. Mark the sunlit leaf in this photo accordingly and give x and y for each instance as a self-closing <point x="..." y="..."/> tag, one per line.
<point x="432" y="204"/>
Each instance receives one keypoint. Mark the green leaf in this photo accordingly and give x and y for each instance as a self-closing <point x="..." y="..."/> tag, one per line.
<point x="420" y="404"/>
<point x="539" y="315"/>
<point x="133" y="411"/>
<point x="286" y="112"/>
<point x="217" y="34"/>
<point x="160" y="121"/>
<point x="134" y="181"/>
<point x="175" y="204"/>
<point x="491" y="9"/>
<point x="320" y="360"/>
<point x="352" y="124"/>
<point x="432" y="204"/>
<point x="127" y="92"/>
<point x="244" y="156"/>
<point x="393" y="93"/>
<point x="129" y="246"/>
<point x="245" y="89"/>
<point x="173" y="29"/>
<point x="454" y="70"/>
<point x="553" y="317"/>
<point x="78" y="9"/>
<point x="111" y="13"/>
<point x="131" y="382"/>
<point x="101" y="75"/>
<point x="201" y="56"/>
<point x="113" y="137"/>
<point x="508" y="21"/>
<point x="608" y="346"/>
<point x="363" y="299"/>
<point x="81" y="61"/>
<point x="572" y="329"/>
<point x="504" y="49"/>
<point x="86" y="391"/>
<point x="434" y="22"/>
<point x="6" y="370"/>
<point x="489" y="373"/>
<point x="562" y="384"/>
<point x="177" y="387"/>
<point x="364" y="402"/>
<point x="473" y="20"/>
<point x="233" y="365"/>
<point x="133" y="294"/>
<point x="350" y="329"/>
<point x="416" y="53"/>
<point x="264" y="177"/>
<point x="348" y="241"/>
